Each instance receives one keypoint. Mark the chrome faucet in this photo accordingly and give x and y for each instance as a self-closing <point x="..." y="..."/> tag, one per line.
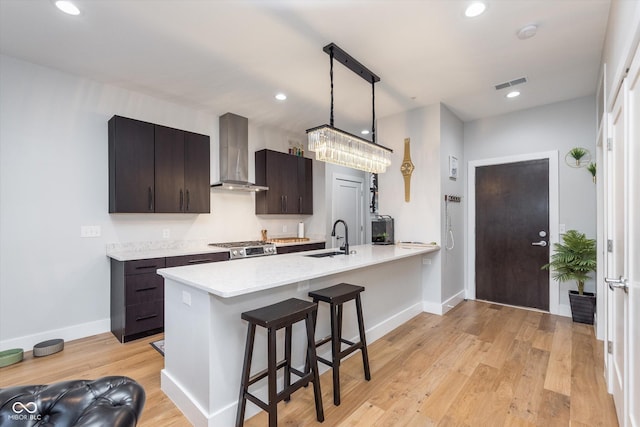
<point x="345" y="247"/>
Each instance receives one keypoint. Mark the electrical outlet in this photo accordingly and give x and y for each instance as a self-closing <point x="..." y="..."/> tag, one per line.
<point x="303" y="286"/>
<point x="285" y="229"/>
<point x="186" y="298"/>
<point x="166" y="233"/>
<point x="562" y="228"/>
<point x="426" y="261"/>
<point x="90" y="231"/>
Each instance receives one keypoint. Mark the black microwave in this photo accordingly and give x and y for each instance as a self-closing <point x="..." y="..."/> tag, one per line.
<point x="382" y="230"/>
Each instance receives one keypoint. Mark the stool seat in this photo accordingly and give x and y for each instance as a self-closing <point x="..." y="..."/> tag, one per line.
<point x="336" y="296"/>
<point x="283" y="314"/>
<point x="280" y="314"/>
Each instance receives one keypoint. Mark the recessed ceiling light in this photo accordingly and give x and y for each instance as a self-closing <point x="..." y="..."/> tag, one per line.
<point x="365" y="132"/>
<point x="513" y="94"/>
<point x="281" y="97"/>
<point x="475" y="9"/>
<point x="67" y="7"/>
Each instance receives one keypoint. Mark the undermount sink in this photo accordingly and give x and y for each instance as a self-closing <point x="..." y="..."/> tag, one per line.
<point x="326" y="254"/>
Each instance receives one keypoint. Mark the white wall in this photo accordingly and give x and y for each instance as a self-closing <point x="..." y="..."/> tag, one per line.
<point x="420" y="219"/>
<point x="452" y="144"/>
<point x="559" y="126"/>
<point x="54" y="178"/>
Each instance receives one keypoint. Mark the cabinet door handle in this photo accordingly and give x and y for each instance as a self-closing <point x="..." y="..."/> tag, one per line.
<point x="150" y="316"/>
<point x="199" y="261"/>
<point x="142" y="267"/>
<point x="150" y="199"/>
<point x="146" y="289"/>
<point x="285" y="203"/>
<point x="300" y="205"/>
<point x="188" y="200"/>
<point x="181" y="199"/>
<point x="281" y="203"/>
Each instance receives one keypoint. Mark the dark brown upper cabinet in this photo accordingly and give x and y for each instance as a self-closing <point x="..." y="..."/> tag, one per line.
<point x="290" y="182"/>
<point x="131" y="165"/>
<point x="155" y="168"/>
<point x="197" y="179"/>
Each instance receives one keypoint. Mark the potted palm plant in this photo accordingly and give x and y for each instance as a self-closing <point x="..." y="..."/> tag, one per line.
<point x="574" y="259"/>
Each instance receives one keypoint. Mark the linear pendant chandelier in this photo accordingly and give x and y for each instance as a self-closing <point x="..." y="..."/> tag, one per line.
<point x="336" y="146"/>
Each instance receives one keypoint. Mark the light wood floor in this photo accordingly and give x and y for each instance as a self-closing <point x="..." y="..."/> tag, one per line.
<point x="479" y="365"/>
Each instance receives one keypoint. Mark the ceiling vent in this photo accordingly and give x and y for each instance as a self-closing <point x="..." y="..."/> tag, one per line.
<point x="511" y="83"/>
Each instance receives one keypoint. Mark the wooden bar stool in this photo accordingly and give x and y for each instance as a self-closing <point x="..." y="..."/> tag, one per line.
<point x="273" y="317"/>
<point x="336" y="296"/>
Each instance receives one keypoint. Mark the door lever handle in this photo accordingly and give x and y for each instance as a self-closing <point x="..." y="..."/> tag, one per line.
<point x="542" y="243"/>
<point x="620" y="283"/>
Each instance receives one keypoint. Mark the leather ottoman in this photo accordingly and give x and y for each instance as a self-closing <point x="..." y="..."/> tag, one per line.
<point x="109" y="401"/>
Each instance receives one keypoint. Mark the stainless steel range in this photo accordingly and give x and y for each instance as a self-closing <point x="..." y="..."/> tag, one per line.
<point x="247" y="249"/>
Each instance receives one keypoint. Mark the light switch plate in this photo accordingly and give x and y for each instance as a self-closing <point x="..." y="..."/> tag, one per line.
<point x="90" y="231"/>
<point x="562" y="228"/>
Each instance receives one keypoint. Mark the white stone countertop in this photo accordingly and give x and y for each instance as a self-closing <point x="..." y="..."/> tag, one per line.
<point x="162" y="249"/>
<point x="244" y="276"/>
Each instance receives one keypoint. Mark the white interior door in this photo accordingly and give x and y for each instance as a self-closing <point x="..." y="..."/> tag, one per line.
<point x="623" y="262"/>
<point x="633" y="355"/>
<point x="617" y="265"/>
<point x="348" y="205"/>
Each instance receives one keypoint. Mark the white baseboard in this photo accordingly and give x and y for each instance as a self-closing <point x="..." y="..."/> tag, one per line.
<point x="69" y="333"/>
<point x="226" y="416"/>
<point x="376" y="332"/>
<point x="183" y="400"/>
<point x="432" y="307"/>
<point x="564" y="310"/>
<point x="441" y="308"/>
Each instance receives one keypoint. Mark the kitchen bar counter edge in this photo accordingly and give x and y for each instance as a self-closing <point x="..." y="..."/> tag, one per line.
<point x="245" y="276"/>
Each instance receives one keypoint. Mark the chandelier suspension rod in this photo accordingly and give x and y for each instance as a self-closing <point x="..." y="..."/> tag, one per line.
<point x="373" y="109"/>
<point x="331" y="76"/>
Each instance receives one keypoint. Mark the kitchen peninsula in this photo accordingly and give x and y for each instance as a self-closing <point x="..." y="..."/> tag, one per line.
<point x="205" y="336"/>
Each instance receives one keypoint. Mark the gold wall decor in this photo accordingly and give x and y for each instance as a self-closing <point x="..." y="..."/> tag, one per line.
<point x="407" y="168"/>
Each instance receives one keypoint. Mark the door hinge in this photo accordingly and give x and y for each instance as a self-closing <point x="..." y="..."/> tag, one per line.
<point x="609" y="245"/>
<point x="609" y="144"/>
<point x="610" y="347"/>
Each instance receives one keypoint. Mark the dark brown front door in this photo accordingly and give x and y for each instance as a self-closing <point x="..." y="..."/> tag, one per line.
<point x="512" y="211"/>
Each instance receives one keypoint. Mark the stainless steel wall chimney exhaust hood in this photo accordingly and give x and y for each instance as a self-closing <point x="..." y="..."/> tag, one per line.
<point x="234" y="155"/>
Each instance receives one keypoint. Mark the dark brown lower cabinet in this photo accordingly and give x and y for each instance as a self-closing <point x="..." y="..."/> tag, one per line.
<point x="137" y="293"/>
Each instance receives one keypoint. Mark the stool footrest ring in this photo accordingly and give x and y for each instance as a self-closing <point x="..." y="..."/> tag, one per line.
<point x="265" y="372"/>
